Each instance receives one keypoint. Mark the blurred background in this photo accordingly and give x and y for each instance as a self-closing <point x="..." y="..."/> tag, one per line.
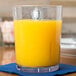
<point x="68" y="40"/>
<point x="6" y="17"/>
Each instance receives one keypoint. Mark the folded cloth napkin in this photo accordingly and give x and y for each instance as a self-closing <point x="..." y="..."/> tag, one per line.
<point x="64" y="69"/>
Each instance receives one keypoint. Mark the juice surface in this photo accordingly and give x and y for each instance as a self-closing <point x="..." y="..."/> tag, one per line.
<point x="37" y="42"/>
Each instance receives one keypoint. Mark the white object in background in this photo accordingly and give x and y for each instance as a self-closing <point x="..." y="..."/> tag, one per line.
<point x="68" y="43"/>
<point x="7" y="31"/>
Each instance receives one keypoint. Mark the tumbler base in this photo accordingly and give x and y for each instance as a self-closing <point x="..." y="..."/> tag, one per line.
<point x="38" y="69"/>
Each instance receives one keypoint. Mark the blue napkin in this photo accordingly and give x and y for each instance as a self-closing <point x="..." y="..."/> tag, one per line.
<point x="64" y="69"/>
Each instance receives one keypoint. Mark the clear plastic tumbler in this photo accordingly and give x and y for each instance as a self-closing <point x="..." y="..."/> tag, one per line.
<point x="37" y="37"/>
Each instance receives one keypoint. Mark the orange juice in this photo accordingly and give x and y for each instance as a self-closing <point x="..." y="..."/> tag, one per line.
<point x="37" y="42"/>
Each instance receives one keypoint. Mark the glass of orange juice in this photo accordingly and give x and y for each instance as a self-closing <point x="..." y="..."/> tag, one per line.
<point x="37" y="37"/>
